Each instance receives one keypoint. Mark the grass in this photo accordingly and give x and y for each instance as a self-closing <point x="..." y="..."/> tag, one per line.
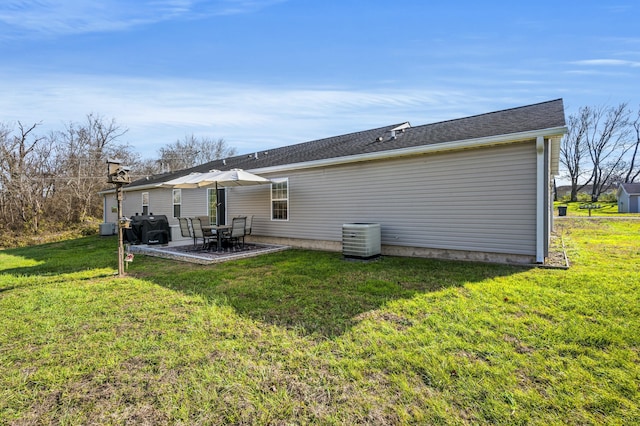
<point x="303" y="337"/>
<point x="607" y="209"/>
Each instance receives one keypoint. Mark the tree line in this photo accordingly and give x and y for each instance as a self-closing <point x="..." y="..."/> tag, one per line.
<point x="600" y="149"/>
<point x="54" y="179"/>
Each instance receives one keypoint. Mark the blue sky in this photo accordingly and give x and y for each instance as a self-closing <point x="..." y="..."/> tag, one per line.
<point x="268" y="73"/>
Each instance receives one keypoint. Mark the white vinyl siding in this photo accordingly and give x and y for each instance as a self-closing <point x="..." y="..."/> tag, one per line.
<point x="110" y="206"/>
<point x="477" y="199"/>
<point x="194" y="202"/>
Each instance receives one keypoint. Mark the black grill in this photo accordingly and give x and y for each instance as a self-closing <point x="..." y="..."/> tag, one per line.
<point x="149" y="230"/>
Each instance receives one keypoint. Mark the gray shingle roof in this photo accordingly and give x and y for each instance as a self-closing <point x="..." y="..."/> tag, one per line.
<point x="631" y="188"/>
<point x="545" y="115"/>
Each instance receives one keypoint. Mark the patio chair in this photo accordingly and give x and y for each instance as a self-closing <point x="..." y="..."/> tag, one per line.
<point x="204" y="221"/>
<point x="185" y="229"/>
<point x="198" y="232"/>
<point x="236" y="233"/>
<point x="247" y="227"/>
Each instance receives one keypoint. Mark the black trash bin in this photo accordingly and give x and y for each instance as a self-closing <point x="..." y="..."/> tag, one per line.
<point x="562" y="210"/>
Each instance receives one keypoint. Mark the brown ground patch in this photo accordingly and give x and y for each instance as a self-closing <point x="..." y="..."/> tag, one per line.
<point x="557" y="257"/>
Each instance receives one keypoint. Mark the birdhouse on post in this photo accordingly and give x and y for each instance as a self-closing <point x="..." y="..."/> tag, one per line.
<point x="117" y="173"/>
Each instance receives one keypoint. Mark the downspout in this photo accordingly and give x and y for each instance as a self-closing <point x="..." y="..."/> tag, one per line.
<point x="549" y="198"/>
<point x="541" y="188"/>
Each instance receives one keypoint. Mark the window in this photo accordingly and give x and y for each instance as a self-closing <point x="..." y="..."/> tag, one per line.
<point x="280" y="199"/>
<point x="145" y="203"/>
<point x="177" y="202"/>
<point x="213" y="206"/>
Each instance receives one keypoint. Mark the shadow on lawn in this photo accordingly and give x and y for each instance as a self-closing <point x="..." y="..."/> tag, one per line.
<point x="315" y="293"/>
<point x="67" y="256"/>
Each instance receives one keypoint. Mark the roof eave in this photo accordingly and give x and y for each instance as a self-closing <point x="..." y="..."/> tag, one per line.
<point x="133" y="188"/>
<point x="556" y="142"/>
<point x="554" y="133"/>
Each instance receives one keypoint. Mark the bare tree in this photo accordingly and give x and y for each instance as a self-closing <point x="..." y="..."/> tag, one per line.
<point x="141" y="168"/>
<point x="213" y="149"/>
<point x="83" y="149"/>
<point x="5" y="176"/>
<point x="607" y="140"/>
<point x="25" y="177"/>
<point x="179" y="155"/>
<point x="574" y="151"/>
<point x="633" y="170"/>
<point x="192" y="151"/>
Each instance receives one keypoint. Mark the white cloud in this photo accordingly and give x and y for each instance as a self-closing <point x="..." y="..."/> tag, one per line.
<point x="607" y="63"/>
<point x="250" y="118"/>
<point x="55" y="17"/>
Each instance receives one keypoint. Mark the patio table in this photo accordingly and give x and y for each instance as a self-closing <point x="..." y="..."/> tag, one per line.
<point x="218" y="229"/>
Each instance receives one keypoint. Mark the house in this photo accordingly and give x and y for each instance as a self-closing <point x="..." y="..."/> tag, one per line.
<point x="474" y="188"/>
<point x="629" y="198"/>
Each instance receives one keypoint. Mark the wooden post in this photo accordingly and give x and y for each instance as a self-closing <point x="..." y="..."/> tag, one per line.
<point x="119" y="176"/>
<point x="120" y="231"/>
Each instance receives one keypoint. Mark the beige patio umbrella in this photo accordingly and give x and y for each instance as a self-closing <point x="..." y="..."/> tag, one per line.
<point x="233" y="177"/>
<point x="192" y="180"/>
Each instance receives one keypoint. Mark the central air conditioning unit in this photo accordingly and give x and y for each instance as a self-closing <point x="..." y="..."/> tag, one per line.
<point x="108" y="228"/>
<point x="361" y="240"/>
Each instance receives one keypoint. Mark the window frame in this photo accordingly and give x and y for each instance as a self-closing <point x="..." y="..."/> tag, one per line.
<point x="145" y="212"/>
<point x="285" y="199"/>
<point x="212" y="205"/>
<point x="178" y="204"/>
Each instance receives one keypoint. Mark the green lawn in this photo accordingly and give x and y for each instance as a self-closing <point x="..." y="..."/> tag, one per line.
<point x="605" y="209"/>
<point x="303" y="337"/>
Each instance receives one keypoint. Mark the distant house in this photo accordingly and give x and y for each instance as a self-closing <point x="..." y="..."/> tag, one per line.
<point x="475" y="188"/>
<point x="629" y="198"/>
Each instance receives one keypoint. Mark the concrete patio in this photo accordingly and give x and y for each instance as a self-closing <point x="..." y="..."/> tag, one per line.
<point x="188" y="253"/>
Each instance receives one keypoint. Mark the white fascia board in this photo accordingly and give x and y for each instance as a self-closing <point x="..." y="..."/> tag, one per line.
<point x="556" y="142"/>
<point x="132" y="188"/>
<point x="422" y="149"/>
